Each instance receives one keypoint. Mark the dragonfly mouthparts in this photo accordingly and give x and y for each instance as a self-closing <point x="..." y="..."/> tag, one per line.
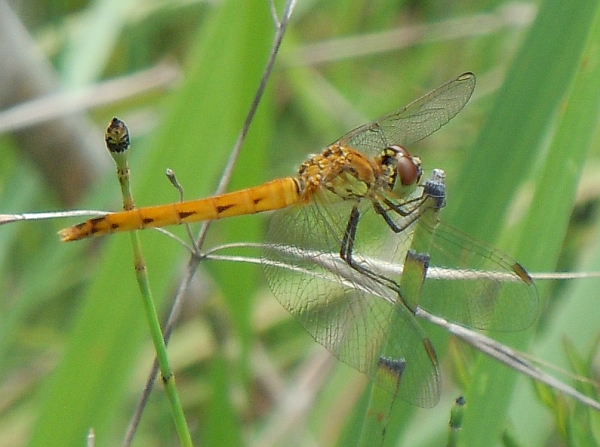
<point x="435" y="187"/>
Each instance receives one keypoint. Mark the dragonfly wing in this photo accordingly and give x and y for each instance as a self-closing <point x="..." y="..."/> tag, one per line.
<point x="359" y="320"/>
<point x="415" y="121"/>
<point x="476" y="285"/>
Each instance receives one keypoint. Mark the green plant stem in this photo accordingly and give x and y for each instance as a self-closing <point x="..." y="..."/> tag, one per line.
<point x="117" y="141"/>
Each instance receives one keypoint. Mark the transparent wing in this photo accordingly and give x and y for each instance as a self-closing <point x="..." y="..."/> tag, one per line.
<point x="467" y="282"/>
<point x="415" y="121"/>
<point x="357" y="319"/>
<point x="476" y="285"/>
<point x="360" y="320"/>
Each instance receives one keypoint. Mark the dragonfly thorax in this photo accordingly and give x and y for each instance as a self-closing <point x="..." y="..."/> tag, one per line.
<point x="350" y="175"/>
<point x="341" y="170"/>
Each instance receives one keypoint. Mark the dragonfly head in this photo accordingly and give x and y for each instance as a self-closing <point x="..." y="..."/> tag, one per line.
<point x="408" y="168"/>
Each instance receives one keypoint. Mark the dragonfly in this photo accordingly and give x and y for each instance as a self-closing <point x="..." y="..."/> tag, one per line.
<point x="339" y="246"/>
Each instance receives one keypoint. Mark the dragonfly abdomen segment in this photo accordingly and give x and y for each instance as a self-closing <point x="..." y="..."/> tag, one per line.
<point x="277" y="194"/>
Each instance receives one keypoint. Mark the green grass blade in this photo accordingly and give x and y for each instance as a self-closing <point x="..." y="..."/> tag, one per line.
<point x="524" y="115"/>
<point x="87" y="388"/>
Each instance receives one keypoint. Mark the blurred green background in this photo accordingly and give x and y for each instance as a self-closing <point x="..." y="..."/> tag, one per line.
<point x="521" y="162"/>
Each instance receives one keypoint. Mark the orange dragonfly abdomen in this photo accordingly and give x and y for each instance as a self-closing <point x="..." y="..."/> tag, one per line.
<point x="277" y="194"/>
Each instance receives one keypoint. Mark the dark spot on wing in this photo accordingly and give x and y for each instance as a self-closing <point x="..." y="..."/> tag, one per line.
<point x="520" y="271"/>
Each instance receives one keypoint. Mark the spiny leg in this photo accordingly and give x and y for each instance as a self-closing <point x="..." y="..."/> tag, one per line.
<point x="408" y="217"/>
<point x="412" y="205"/>
<point x="347" y="249"/>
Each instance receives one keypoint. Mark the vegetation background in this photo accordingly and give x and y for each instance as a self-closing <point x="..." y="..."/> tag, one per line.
<point x="522" y="168"/>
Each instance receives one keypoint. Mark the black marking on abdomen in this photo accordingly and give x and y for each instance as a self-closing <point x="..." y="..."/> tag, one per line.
<point x="94" y="227"/>
<point x="183" y="214"/>
<point x="147" y="220"/>
<point x="223" y="208"/>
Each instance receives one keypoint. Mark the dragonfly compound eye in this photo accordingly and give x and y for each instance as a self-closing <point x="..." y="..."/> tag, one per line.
<point x="407" y="166"/>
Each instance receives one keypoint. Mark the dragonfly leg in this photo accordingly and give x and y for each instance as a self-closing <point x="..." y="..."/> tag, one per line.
<point x="433" y="196"/>
<point x="409" y="218"/>
<point x="347" y="249"/>
<point x="412" y="205"/>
